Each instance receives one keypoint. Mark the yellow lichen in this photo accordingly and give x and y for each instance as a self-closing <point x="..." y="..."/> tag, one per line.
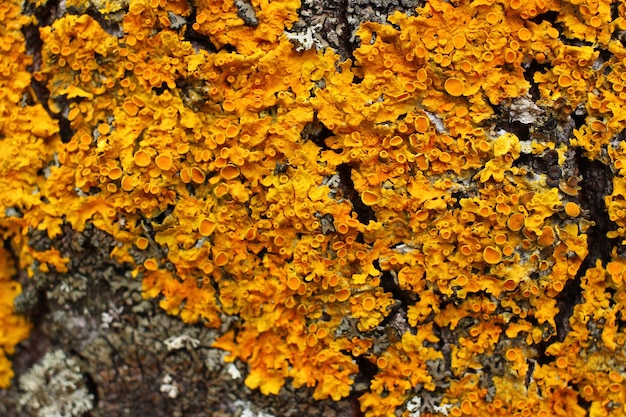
<point x="259" y="221"/>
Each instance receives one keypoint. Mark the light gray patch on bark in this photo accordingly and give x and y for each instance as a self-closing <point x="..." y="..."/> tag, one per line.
<point x="246" y="12"/>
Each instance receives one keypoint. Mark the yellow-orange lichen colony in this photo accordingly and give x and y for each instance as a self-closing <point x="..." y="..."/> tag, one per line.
<point x="254" y="218"/>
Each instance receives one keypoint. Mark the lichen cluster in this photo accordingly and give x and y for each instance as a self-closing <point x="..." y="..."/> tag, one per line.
<point x="404" y="208"/>
<point x="56" y="388"/>
<point x="24" y="127"/>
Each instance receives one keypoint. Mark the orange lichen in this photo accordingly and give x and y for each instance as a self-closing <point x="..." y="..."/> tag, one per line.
<point x="565" y="81"/>
<point x="342" y="295"/>
<point x="142" y="243"/>
<point x="221" y="259"/>
<point x="14" y="327"/>
<point x="449" y="212"/>
<point x="142" y="158"/>
<point x="370" y="197"/>
<point x="572" y="209"/>
<point x="454" y="87"/>
<point x="197" y="175"/>
<point x="229" y="172"/>
<point x="164" y="162"/>
<point x="293" y="283"/>
<point x="29" y="138"/>
<point x="516" y="222"/>
<point x="492" y="255"/>
<point x="151" y="264"/>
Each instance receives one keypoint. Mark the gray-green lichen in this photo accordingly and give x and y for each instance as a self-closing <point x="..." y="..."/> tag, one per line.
<point x="331" y="23"/>
<point x="55" y="387"/>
